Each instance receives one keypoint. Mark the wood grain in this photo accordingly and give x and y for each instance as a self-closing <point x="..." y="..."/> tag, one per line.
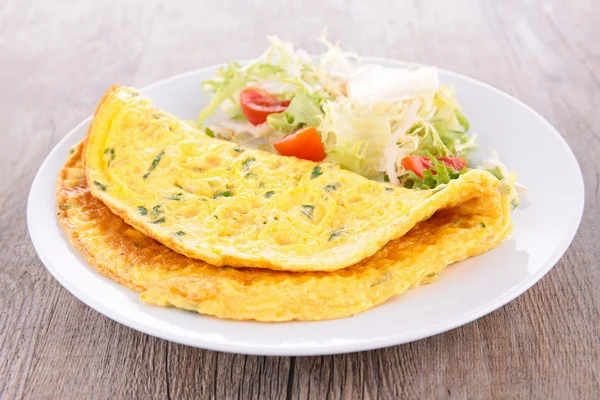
<point x="57" y="58"/>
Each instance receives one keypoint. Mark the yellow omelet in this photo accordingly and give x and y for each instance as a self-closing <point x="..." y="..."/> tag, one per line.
<point x="214" y="201"/>
<point x="166" y="278"/>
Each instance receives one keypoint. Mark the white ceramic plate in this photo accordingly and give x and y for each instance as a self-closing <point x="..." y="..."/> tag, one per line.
<point x="545" y="225"/>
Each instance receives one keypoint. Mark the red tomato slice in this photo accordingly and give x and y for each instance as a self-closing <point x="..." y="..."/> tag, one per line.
<point x="304" y="143"/>
<point x="418" y="164"/>
<point x="457" y="163"/>
<point x="257" y="104"/>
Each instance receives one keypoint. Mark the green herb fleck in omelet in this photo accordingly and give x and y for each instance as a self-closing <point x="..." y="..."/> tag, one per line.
<point x="227" y="193"/>
<point x="332" y="187"/>
<point x="307" y="210"/>
<point x="175" y="197"/>
<point x="100" y="186"/>
<point x="156" y="210"/>
<point x="111" y="155"/>
<point x="154" y="164"/>
<point x="316" y="172"/>
<point x="335" y="234"/>
<point x="248" y="162"/>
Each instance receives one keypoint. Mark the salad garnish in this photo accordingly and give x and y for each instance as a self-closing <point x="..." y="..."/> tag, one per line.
<point x="399" y="125"/>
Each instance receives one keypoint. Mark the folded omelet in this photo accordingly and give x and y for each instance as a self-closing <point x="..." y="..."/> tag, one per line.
<point x="214" y="201"/>
<point x="167" y="278"/>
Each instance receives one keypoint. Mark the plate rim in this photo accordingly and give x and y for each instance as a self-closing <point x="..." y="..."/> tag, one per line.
<point x="321" y="349"/>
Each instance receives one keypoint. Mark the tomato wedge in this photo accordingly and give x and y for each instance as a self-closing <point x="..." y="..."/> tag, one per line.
<point x="304" y="143"/>
<point x="418" y="164"/>
<point x="457" y="163"/>
<point x="257" y="104"/>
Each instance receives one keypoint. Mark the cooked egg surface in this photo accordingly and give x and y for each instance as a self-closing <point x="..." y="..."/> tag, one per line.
<point x="212" y="200"/>
<point x="166" y="278"/>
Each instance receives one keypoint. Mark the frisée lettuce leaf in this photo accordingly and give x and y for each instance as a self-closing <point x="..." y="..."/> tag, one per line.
<point x="355" y="136"/>
<point x="444" y="133"/>
<point x="229" y="80"/>
<point x="280" y="70"/>
<point x="304" y="110"/>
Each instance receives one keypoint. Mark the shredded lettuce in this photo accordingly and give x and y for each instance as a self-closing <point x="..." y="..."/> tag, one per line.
<point x="355" y="136"/>
<point x="304" y="110"/>
<point x="335" y="60"/>
<point x="363" y="130"/>
<point x="369" y="116"/>
<point x="228" y="81"/>
<point x="444" y="134"/>
<point x="335" y="66"/>
<point x="353" y="157"/>
<point x="281" y="70"/>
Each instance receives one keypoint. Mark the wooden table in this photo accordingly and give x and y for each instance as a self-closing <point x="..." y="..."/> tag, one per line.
<point x="57" y="58"/>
